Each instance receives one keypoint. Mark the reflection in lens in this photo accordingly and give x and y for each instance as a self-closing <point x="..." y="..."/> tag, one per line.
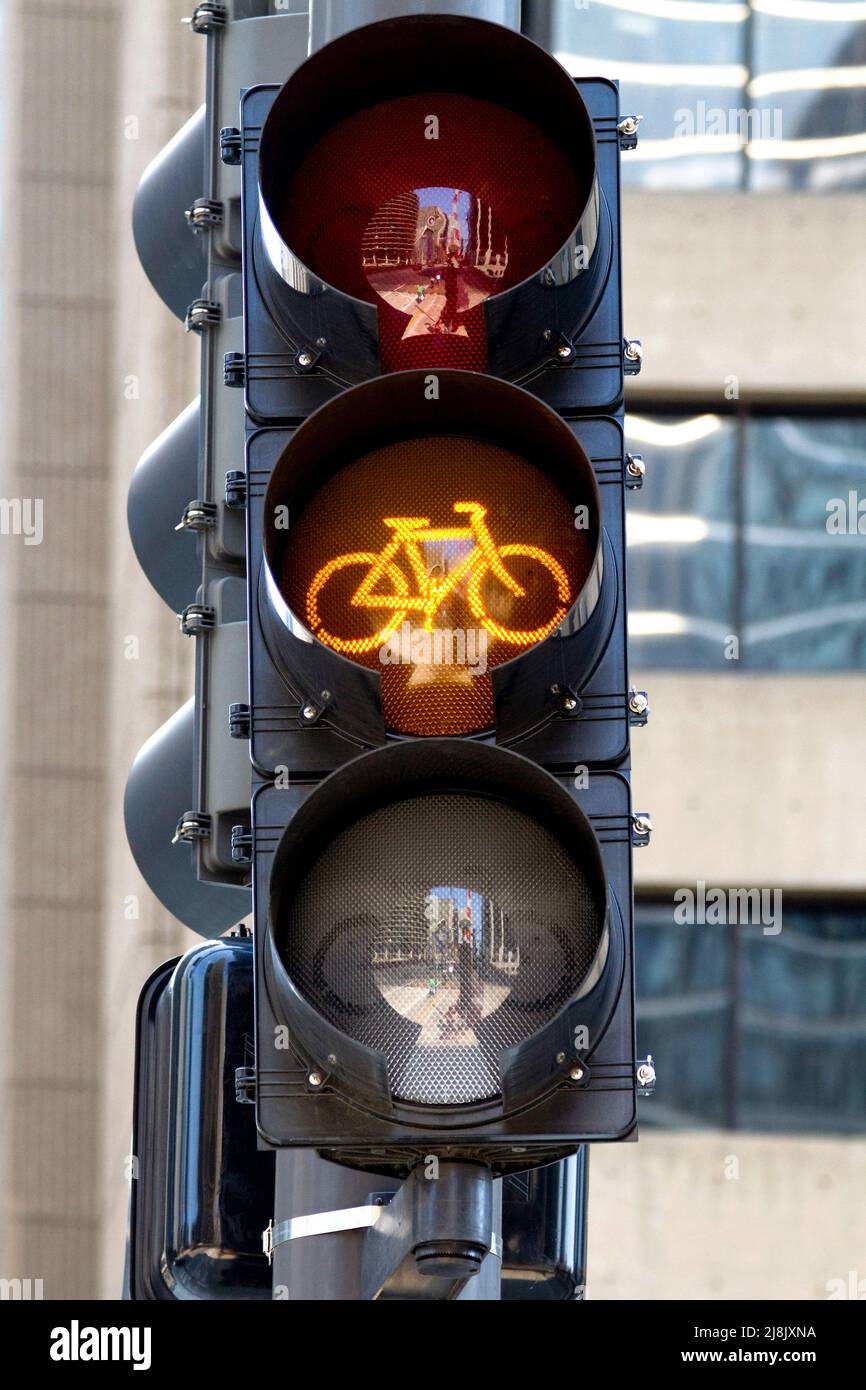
<point x="440" y="930"/>
<point x="430" y="255"/>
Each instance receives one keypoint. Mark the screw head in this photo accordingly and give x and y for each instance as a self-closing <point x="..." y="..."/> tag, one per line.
<point x="565" y="351"/>
<point x="569" y="703"/>
<point x="576" y="1073"/>
<point x="635" y="466"/>
<point x="321" y="342"/>
<point x="305" y="359"/>
<point x="309" y="713"/>
<point x="638" y="702"/>
<point x="332" y="1061"/>
<point x="643" y="825"/>
<point x="560" y="1058"/>
<point x="315" y="1078"/>
<point x="646" y="1073"/>
<point x="634" y="350"/>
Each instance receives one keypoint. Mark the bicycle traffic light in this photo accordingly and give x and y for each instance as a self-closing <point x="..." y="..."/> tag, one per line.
<point x="439" y="707"/>
<point x="401" y="556"/>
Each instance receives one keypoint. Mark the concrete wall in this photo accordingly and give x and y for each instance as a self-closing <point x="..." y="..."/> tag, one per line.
<point x="763" y="287"/>
<point x="79" y="319"/>
<point x="58" y="320"/>
<point x="726" y="1216"/>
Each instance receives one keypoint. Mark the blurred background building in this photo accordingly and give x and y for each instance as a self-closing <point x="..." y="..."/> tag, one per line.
<point x="745" y="221"/>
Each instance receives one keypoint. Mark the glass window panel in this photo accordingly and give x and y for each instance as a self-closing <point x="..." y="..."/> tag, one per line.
<point x="682" y="542"/>
<point x="787" y="1051"/>
<point x="771" y="95"/>
<point x="804" y="603"/>
<point x="671" y="71"/>
<point x="808" y="87"/>
<point x="682" y="976"/>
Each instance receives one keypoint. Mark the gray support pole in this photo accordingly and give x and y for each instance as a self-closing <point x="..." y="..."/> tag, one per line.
<point x="319" y="1268"/>
<point x="328" y="1267"/>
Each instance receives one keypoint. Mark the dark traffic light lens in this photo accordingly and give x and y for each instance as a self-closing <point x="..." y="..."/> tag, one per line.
<point x="439" y="930"/>
<point x="427" y="205"/>
<point x="433" y="560"/>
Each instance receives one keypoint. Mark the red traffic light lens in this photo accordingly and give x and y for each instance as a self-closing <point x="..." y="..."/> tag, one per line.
<point x="427" y="205"/>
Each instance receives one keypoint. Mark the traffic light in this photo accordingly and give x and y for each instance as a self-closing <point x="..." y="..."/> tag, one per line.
<point x="400" y="552"/>
<point x="439" y="706"/>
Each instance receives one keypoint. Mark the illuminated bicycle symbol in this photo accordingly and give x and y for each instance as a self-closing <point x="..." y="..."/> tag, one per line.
<point x="409" y="534"/>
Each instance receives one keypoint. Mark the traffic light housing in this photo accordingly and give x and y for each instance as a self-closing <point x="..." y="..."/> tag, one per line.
<point x="420" y="466"/>
<point x="402" y="108"/>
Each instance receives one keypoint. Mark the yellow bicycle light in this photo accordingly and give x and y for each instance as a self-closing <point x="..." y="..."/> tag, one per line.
<point x="437" y="556"/>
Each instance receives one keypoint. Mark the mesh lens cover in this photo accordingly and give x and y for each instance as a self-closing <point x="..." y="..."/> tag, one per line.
<point x="433" y="560"/>
<point x="440" y="930"/>
<point x="426" y="205"/>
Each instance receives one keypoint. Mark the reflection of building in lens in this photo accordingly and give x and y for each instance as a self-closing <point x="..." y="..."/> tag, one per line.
<point x="431" y="236"/>
<point x="391" y="235"/>
<point x="491" y="263"/>
<point x="471" y="239"/>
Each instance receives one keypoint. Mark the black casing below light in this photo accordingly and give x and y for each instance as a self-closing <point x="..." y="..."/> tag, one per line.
<point x="203" y="1193"/>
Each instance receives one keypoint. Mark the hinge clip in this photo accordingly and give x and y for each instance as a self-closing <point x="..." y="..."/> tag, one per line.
<point x="207" y="17"/>
<point x="201" y="314"/>
<point x="193" y="825"/>
<point x="242" y="844"/>
<point x="231" y="145"/>
<point x="234" y="369"/>
<point x="204" y="214"/>
<point x="196" y="618"/>
<point x="240" y="720"/>
<point x="198" y="516"/>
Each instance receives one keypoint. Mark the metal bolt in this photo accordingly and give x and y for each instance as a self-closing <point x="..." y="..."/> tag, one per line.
<point x="635" y="466"/>
<point x="565" y="351"/>
<point x="638" y="702"/>
<point x="646" y="1073"/>
<point x="560" y="1058"/>
<point x="314" y="1078"/>
<point x="643" y="825"/>
<point x="305" y="359"/>
<point x="569" y="703"/>
<point x="576" y="1073"/>
<point x="634" y="350"/>
<point x="321" y="342"/>
<point x="309" y="712"/>
<point x="332" y="1061"/>
<point x="628" y="125"/>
